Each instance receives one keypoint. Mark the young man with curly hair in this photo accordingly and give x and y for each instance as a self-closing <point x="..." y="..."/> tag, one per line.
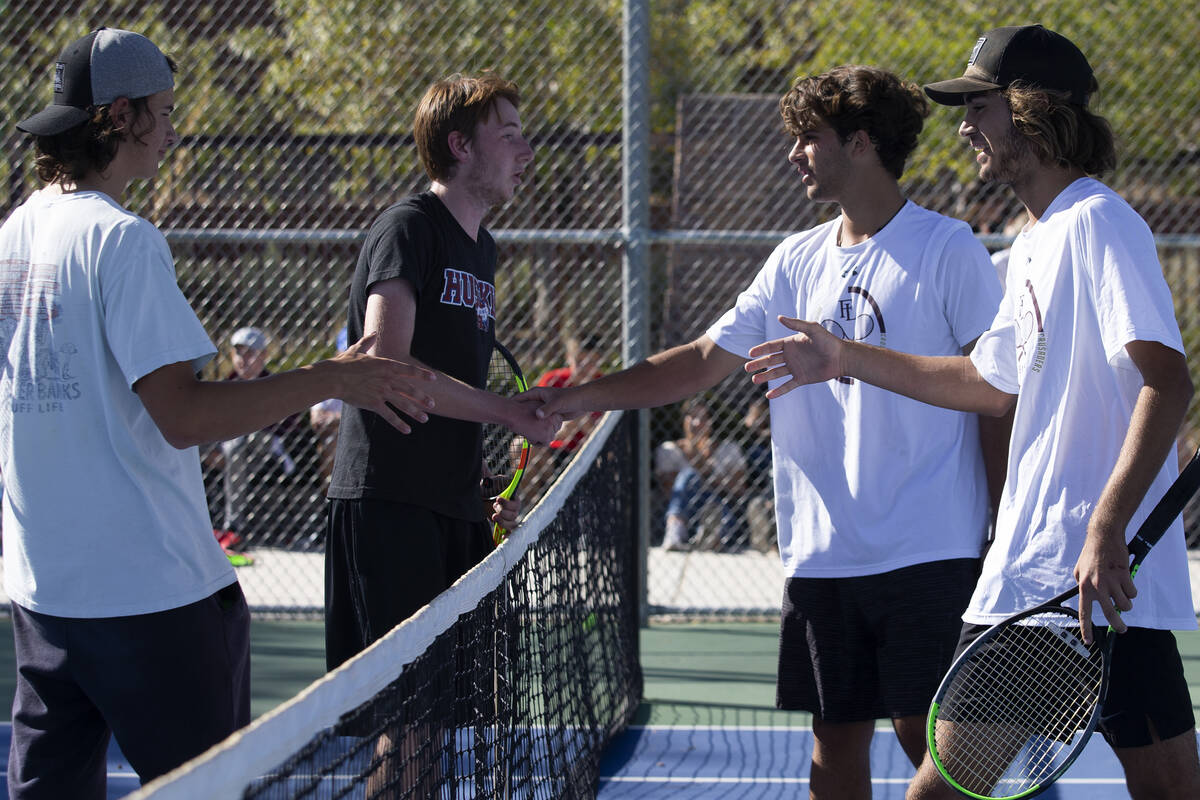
<point x="127" y="617"/>
<point x="1086" y="349"/>
<point x="881" y="502"/>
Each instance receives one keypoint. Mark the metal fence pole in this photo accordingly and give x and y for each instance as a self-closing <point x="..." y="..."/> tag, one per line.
<point x="635" y="224"/>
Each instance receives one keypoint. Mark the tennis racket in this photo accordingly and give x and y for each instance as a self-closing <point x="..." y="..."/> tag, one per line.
<point x="1019" y="704"/>
<point x="504" y="456"/>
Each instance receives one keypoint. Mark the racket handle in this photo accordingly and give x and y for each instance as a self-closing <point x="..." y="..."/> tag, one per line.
<point x="1168" y="508"/>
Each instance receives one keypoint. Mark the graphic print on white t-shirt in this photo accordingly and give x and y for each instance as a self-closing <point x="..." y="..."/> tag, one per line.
<point x="32" y="292"/>
<point x="857" y="318"/>
<point x="1031" y="331"/>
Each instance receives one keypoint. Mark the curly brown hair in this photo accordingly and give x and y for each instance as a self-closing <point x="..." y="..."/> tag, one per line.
<point x="457" y="103"/>
<point x="90" y="146"/>
<point x="1061" y="132"/>
<point x="853" y="98"/>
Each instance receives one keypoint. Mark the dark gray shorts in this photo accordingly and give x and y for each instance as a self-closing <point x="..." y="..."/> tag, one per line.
<point x="874" y="646"/>
<point x="167" y="685"/>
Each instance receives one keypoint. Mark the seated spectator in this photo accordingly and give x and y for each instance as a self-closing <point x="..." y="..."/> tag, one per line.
<point x="760" y="494"/>
<point x="253" y="464"/>
<point x="705" y="475"/>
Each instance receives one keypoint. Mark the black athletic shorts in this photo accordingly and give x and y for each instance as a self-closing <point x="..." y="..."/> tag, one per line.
<point x="874" y="646"/>
<point x="1147" y="688"/>
<point x="384" y="561"/>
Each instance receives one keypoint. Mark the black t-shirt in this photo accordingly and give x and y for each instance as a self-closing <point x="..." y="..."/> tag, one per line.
<point x="438" y="465"/>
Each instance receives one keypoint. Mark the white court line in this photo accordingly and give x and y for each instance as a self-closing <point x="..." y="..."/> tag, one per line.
<point x="801" y="781"/>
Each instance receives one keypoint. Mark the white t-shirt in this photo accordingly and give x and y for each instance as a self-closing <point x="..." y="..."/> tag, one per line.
<point x="1082" y="284"/>
<point x="867" y="481"/>
<point x="102" y="517"/>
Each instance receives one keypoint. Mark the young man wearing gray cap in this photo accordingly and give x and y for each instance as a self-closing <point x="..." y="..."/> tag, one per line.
<point x="1086" y="348"/>
<point x="126" y="614"/>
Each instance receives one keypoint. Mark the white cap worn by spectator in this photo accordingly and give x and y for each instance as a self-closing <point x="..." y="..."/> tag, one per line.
<point x="249" y="337"/>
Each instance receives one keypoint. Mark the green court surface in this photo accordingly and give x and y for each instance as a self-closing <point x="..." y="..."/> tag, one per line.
<point x="723" y="674"/>
<point x="697" y="674"/>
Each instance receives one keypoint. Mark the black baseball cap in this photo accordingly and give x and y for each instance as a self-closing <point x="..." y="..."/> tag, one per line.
<point x="106" y="64"/>
<point x="1029" y="53"/>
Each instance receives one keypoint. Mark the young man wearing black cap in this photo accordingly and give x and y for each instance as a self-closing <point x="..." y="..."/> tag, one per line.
<point x="128" y="618"/>
<point x="1087" y="349"/>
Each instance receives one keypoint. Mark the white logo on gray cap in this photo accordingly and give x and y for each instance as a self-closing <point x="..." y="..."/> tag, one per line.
<point x="59" y="69"/>
<point x="975" y="52"/>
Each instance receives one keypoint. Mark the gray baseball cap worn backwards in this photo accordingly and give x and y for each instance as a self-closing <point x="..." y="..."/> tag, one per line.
<point x="96" y="70"/>
<point x="1028" y="53"/>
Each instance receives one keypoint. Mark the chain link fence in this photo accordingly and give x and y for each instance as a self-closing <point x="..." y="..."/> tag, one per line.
<point x="296" y="124"/>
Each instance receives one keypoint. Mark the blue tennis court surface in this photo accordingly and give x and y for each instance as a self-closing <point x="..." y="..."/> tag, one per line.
<point x="757" y="763"/>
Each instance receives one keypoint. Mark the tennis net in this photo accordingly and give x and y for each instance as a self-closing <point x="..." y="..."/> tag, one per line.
<point x="508" y="685"/>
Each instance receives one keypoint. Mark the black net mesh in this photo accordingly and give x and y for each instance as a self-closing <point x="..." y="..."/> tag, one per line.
<point x="520" y="694"/>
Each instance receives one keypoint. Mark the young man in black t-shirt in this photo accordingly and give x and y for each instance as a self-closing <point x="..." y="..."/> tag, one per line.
<point x="406" y="516"/>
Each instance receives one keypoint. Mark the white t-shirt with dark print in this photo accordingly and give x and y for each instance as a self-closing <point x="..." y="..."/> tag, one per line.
<point x="868" y="481"/>
<point x="102" y="517"/>
<point x="1082" y="283"/>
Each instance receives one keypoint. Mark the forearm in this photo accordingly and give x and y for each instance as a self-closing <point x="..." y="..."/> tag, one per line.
<point x="199" y="412"/>
<point x="1102" y="568"/>
<point x="814" y="355"/>
<point x="662" y="379"/>
<point x="458" y="400"/>
<point x="946" y="381"/>
<point x="994" y="436"/>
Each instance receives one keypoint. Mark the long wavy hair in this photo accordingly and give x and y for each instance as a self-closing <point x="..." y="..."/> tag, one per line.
<point x="1061" y="132"/>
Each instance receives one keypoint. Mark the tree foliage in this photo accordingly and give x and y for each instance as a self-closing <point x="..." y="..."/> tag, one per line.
<point x="312" y="66"/>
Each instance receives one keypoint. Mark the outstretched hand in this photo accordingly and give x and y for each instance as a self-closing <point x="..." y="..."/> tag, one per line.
<point x="383" y="385"/>
<point x="812" y="355"/>
<point x="537" y="427"/>
<point x="553" y="401"/>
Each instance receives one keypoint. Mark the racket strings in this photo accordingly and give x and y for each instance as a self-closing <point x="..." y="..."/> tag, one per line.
<point x="498" y="452"/>
<point x="1011" y="715"/>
